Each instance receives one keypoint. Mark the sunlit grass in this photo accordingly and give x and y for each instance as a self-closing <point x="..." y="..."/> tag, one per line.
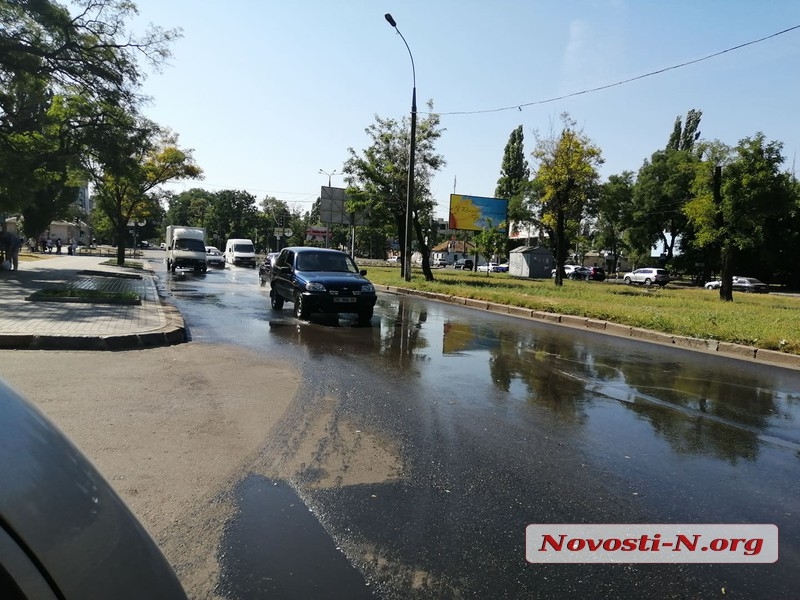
<point x="765" y="321"/>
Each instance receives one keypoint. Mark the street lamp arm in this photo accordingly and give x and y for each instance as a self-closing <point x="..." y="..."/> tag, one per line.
<point x="331" y="174"/>
<point x="413" y="68"/>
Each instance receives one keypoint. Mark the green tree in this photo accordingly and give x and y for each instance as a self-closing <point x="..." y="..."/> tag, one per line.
<point x="131" y="168"/>
<point x="192" y="207"/>
<point x="237" y="212"/>
<point x="378" y="177"/>
<point x="566" y="178"/>
<point x="91" y="52"/>
<point x="663" y="187"/>
<point x="513" y="184"/>
<point x="612" y="211"/>
<point x="514" y="170"/>
<point x="59" y="75"/>
<point x="40" y="153"/>
<point x="491" y="241"/>
<point x="684" y="135"/>
<point x="736" y="200"/>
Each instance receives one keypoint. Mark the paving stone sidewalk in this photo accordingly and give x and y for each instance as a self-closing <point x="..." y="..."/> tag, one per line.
<point x="26" y="324"/>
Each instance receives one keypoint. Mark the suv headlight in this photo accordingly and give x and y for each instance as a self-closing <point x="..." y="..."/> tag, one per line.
<point x="368" y="288"/>
<point x="313" y="286"/>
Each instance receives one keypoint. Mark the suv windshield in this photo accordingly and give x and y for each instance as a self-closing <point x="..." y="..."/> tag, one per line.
<point x="325" y="261"/>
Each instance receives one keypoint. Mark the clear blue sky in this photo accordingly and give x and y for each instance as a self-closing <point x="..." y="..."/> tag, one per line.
<point x="268" y="92"/>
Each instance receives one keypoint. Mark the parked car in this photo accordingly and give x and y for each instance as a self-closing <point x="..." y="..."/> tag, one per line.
<point x="320" y="280"/>
<point x="440" y="262"/>
<point x="465" y="264"/>
<point x="144" y="244"/>
<point x="568" y="271"/>
<point x="580" y="273"/>
<point x="393" y="259"/>
<point x="502" y="268"/>
<point x="65" y="532"/>
<point x="265" y="268"/>
<point x="214" y="258"/>
<point x="750" y="285"/>
<point x="488" y="268"/>
<point x="163" y="246"/>
<point x="596" y="274"/>
<point x="647" y="276"/>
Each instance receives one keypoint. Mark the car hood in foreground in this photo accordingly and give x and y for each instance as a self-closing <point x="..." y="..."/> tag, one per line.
<point x="57" y="505"/>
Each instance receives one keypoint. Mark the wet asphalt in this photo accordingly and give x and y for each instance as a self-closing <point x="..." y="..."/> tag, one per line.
<point x="501" y="422"/>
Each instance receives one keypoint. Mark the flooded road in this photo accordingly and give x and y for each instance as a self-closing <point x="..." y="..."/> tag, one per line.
<point x="425" y="443"/>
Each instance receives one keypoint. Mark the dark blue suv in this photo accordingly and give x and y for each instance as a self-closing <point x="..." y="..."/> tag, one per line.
<point x="320" y="280"/>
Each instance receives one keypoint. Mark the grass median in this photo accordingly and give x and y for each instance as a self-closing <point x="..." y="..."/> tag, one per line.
<point x="767" y="321"/>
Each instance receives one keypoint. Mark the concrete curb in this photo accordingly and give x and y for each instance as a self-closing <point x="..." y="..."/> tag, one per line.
<point x="715" y="347"/>
<point x="172" y="333"/>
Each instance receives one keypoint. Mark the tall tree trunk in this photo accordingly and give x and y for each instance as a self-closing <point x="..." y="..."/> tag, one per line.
<point x="561" y="248"/>
<point x="726" y="289"/>
<point x="726" y="252"/>
<point x="424" y="250"/>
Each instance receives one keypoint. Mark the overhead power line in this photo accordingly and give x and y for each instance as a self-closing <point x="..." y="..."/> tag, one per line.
<point x="624" y="81"/>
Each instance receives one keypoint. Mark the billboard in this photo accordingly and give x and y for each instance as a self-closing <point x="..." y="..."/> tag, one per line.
<point x="332" y="209"/>
<point x="474" y="212"/>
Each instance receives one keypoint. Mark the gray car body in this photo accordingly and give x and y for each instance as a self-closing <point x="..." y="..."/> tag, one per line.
<point x="64" y="532"/>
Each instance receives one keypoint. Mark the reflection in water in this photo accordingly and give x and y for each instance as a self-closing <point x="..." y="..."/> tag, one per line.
<point x="493" y="423"/>
<point x="323" y="334"/>
<point x="686" y="403"/>
<point x="404" y="339"/>
<point x="698" y="406"/>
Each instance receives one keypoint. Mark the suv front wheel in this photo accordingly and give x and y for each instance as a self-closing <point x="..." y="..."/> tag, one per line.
<point x="300" y="308"/>
<point x="275" y="301"/>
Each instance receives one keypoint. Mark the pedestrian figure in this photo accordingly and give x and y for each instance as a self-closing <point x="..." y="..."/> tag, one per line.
<point x="16" y="247"/>
<point x="69" y="247"/>
<point x="11" y="245"/>
<point x="42" y="245"/>
<point x="49" y="245"/>
<point x="58" y="246"/>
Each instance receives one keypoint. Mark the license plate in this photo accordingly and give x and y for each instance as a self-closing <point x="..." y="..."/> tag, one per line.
<point x="344" y="299"/>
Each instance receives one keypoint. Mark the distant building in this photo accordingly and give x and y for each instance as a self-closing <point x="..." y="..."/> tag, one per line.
<point x="66" y="230"/>
<point x="453" y="250"/>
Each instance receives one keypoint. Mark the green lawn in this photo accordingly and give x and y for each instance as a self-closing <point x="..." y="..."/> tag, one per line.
<point x="766" y="321"/>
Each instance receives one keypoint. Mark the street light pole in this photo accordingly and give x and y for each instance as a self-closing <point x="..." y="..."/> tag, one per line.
<point x="331" y="174"/>
<point x="410" y="188"/>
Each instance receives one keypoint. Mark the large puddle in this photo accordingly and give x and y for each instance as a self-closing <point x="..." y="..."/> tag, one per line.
<point x="275" y="548"/>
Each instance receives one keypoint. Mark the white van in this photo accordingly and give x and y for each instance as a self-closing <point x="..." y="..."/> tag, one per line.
<point x="240" y="252"/>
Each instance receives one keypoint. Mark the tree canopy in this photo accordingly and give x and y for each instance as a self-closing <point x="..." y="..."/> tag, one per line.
<point x="126" y="185"/>
<point x="65" y="73"/>
<point x="566" y="178"/>
<point x="378" y="176"/>
<point x="738" y="200"/>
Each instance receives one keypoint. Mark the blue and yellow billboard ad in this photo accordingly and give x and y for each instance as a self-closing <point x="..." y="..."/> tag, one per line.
<point x="475" y="213"/>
